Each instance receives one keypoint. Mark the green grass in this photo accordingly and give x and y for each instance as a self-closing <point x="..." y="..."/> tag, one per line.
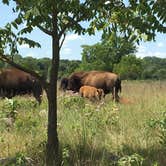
<point x="101" y="133"/>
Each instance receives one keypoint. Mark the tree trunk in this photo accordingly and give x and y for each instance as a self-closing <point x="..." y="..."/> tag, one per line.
<point x="52" y="158"/>
<point x="52" y="148"/>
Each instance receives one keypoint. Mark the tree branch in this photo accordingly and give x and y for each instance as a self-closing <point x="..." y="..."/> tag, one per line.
<point x="62" y="41"/>
<point x="73" y="21"/>
<point x="63" y="30"/>
<point x="33" y="73"/>
<point x="45" y="30"/>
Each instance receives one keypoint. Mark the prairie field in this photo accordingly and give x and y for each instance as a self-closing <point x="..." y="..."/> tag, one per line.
<point x="101" y="133"/>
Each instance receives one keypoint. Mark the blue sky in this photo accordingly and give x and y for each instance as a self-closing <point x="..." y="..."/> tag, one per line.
<point x="72" y="45"/>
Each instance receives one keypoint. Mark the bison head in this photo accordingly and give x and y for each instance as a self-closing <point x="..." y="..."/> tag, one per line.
<point x="37" y="90"/>
<point x="63" y="84"/>
<point x="74" y="83"/>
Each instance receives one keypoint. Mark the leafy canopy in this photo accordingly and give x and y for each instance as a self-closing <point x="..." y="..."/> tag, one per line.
<point x="138" y="19"/>
<point x="104" y="55"/>
<point x="129" y="67"/>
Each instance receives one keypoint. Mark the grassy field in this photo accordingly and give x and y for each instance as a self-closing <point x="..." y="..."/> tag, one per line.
<point x="103" y="133"/>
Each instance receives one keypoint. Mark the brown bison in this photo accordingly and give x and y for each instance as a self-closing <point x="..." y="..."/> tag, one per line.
<point x="16" y="82"/>
<point x="64" y="81"/>
<point x="109" y="82"/>
<point x="91" y="92"/>
<point x="63" y="84"/>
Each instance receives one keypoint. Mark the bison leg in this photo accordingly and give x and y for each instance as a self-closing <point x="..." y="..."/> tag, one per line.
<point x="81" y="94"/>
<point x="2" y="92"/>
<point x="115" y="96"/>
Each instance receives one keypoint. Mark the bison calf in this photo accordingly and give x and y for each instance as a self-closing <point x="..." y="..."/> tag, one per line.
<point x="91" y="92"/>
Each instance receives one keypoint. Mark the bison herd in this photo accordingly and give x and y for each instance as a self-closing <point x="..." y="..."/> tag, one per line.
<point x="91" y="84"/>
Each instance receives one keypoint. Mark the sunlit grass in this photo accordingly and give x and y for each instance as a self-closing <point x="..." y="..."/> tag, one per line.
<point x="97" y="133"/>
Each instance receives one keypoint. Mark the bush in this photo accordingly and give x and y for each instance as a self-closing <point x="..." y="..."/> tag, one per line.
<point x="133" y="160"/>
<point x="161" y="126"/>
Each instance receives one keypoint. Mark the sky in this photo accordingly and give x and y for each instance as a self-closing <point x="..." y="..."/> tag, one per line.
<point x="71" y="48"/>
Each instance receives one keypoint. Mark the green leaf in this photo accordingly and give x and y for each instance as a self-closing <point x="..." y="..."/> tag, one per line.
<point x="31" y="43"/>
<point x="18" y="20"/>
<point x="5" y="2"/>
<point x="14" y="25"/>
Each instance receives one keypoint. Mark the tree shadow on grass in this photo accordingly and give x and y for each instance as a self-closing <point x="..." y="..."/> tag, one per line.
<point x="88" y="155"/>
<point x="151" y="155"/>
<point x="85" y="155"/>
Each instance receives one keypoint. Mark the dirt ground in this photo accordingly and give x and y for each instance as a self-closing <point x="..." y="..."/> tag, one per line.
<point x="124" y="100"/>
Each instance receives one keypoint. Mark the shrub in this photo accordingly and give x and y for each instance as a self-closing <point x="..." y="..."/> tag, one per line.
<point x="133" y="160"/>
<point x="161" y="126"/>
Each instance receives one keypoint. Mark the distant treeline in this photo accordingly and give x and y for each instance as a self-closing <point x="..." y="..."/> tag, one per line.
<point x="130" y="67"/>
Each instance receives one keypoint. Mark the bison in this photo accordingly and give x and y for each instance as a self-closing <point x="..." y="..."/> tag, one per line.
<point x="101" y="93"/>
<point x="109" y="82"/>
<point x="63" y="84"/>
<point x="16" y="82"/>
<point x="91" y="92"/>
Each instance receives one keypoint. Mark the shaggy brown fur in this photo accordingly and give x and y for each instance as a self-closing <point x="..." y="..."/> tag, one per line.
<point x="91" y="92"/>
<point x="16" y="82"/>
<point x="109" y="82"/>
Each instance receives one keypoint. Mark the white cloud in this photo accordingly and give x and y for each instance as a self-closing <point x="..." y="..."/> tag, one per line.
<point x="160" y="44"/>
<point x="160" y="54"/>
<point x="66" y="51"/>
<point x="72" y="37"/>
<point x="141" y="49"/>
<point x="23" y="46"/>
<point x="30" y="54"/>
<point x="142" y="52"/>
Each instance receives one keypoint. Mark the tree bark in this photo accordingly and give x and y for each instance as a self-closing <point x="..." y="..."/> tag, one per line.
<point x="52" y="142"/>
<point x="52" y="148"/>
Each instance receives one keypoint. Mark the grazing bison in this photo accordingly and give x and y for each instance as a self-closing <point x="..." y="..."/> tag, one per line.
<point x="109" y="82"/>
<point x="16" y="82"/>
<point x="91" y="92"/>
<point x="63" y="84"/>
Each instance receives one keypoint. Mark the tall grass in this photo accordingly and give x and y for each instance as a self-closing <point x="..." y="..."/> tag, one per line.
<point x="100" y="133"/>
